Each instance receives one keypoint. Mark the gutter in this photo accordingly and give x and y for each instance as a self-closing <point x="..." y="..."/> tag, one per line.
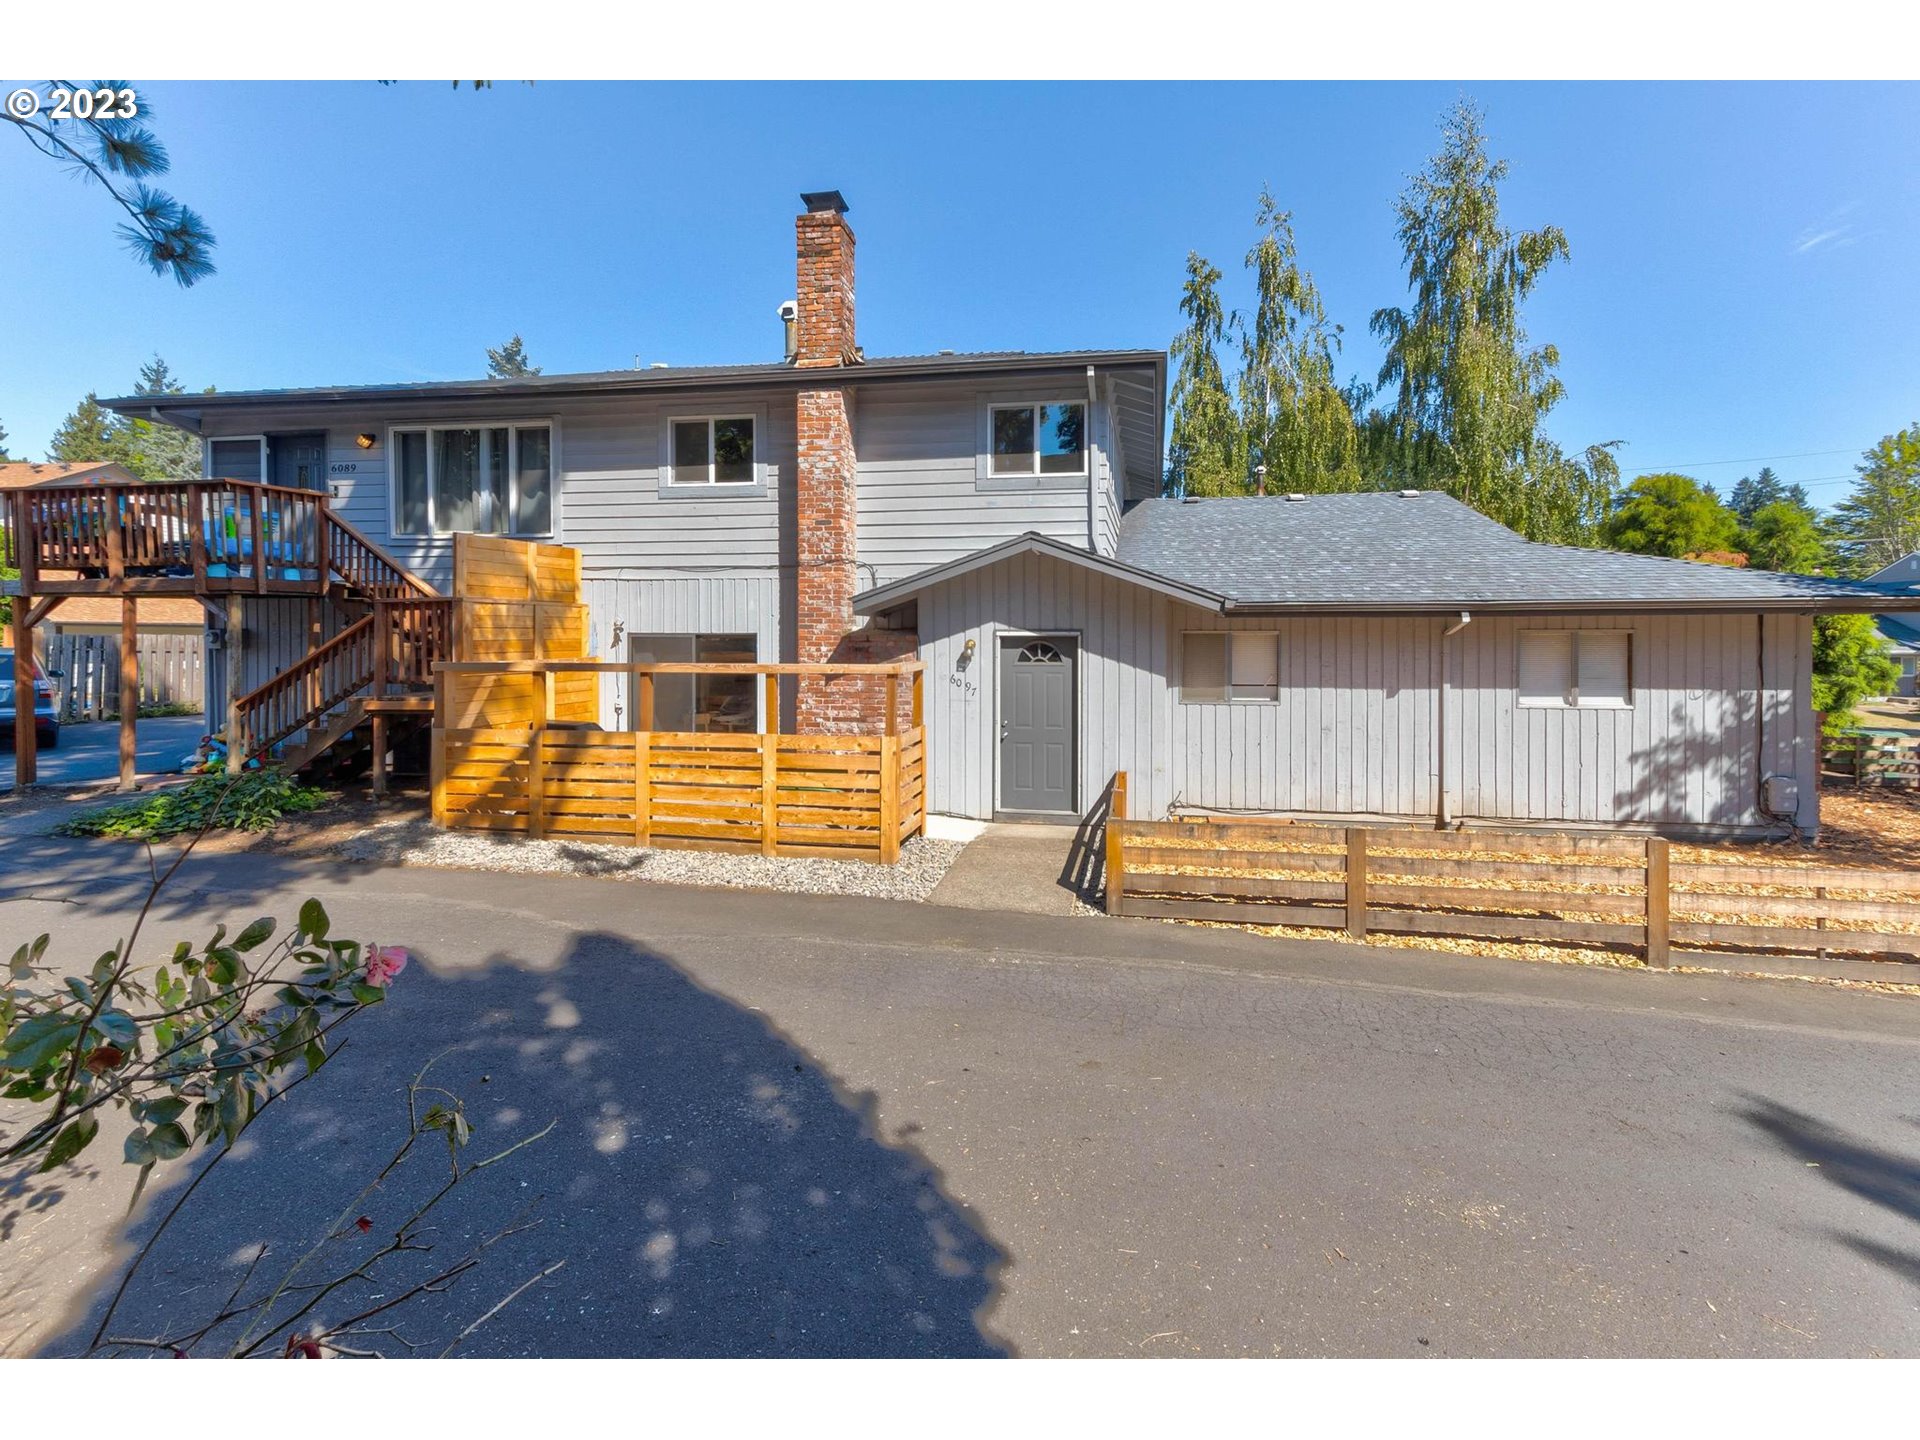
<point x="1446" y="694"/>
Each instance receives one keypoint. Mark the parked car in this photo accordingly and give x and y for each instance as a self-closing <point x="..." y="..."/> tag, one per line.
<point x="46" y="720"/>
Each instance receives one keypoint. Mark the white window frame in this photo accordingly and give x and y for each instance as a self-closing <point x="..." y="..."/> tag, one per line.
<point x="513" y="429"/>
<point x="994" y="407"/>
<point x="1570" y="698"/>
<point x="1230" y="698"/>
<point x="206" y="457"/>
<point x="671" y="480"/>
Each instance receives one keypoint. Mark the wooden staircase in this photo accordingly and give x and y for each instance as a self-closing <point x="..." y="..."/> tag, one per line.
<point x="343" y="690"/>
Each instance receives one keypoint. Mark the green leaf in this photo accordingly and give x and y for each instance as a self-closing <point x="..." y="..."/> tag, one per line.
<point x="223" y="966"/>
<point x="104" y="967"/>
<point x="139" y="1148"/>
<point x="316" y="1055"/>
<point x="313" y="920"/>
<point x="117" y="1026"/>
<point x="168" y="1141"/>
<point x="165" y="1110"/>
<point x="80" y="988"/>
<point x="368" y="994"/>
<point x="37" y="1041"/>
<point x="254" y="934"/>
<point x="235" y="1105"/>
<point x="77" y="1135"/>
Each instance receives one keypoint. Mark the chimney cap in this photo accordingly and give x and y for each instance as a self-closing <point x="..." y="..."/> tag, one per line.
<point x="824" y="201"/>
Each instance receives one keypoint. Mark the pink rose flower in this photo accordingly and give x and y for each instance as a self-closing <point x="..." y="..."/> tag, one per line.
<point x="384" y="962"/>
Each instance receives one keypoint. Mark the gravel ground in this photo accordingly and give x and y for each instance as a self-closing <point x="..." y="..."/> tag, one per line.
<point x="413" y="840"/>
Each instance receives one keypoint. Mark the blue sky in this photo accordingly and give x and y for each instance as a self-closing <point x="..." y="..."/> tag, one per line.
<point x="1742" y="283"/>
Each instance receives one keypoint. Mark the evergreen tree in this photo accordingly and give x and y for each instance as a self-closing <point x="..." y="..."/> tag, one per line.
<point x="89" y="435"/>
<point x="120" y="154"/>
<point x="1294" y="416"/>
<point x="162" y="452"/>
<point x="1880" y="520"/>
<point x="1470" y="390"/>
<point x="1671" y="515"/>
<point x="1206" y="449"/>
<point x="509" y="362"/>
<point x="1754" y="493"/>
<point x="3" y="444"/>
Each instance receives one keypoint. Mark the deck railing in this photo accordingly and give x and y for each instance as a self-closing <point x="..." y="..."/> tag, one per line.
<point x="847" y="797"/>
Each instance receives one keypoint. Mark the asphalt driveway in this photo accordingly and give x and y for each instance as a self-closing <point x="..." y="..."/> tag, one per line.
<point x="803" y="1126"/>
<point x="90" y="751"/>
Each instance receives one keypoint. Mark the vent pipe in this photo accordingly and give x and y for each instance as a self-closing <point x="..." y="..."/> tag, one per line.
<point x="789" y="318"/>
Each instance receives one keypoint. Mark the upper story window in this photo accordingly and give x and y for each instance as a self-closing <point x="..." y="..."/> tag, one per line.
<point x="1039" y="439"/>
<point x="1576" y="669"/>
<point x="487" y="479"/>
<point x="713" y="450"/>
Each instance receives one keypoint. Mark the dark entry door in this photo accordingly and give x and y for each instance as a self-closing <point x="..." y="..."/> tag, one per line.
<point x="299" y="461"/>
<point x="1037" y="725"/>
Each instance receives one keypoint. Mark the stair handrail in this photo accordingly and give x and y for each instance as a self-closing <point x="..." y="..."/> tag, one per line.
<point x="402" y="576"/>
<point x="241" y="711"/>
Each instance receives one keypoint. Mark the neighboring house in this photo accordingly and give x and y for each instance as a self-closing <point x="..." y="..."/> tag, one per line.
<point x="1368" y="655"/>
<point x="1899" y="631"/>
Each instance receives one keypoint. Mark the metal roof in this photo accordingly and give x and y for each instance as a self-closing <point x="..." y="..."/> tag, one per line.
<point x="1389" y="553"/>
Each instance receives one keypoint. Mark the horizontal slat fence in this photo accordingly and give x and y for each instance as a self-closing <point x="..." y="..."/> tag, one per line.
<point x="814" y="795"/>
<point x="1889" y="760"/>
<point x="172" y="670"/>
<point x="1500" y="885"/>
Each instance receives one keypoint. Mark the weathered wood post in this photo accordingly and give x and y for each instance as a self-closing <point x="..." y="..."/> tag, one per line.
<point x="1659" y="898"/>
<point x="1115" y="874"/>
<point x="1356" y="882"/>
<point x="129" y="691"/>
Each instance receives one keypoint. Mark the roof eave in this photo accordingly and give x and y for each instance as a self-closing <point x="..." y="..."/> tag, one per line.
<point x="898" y="592"/>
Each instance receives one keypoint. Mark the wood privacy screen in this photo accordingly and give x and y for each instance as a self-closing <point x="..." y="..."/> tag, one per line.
<point x="517" y="600"/>
<point x="1499" y="885"/>
<point x="841" y="797"/>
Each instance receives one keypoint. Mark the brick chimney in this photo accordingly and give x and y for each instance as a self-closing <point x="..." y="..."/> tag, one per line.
<point x="824" y="483"/>
<point x="823" y="332"/>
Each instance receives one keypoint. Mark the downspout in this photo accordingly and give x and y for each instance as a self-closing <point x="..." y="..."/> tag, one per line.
<point x="1446" y="692"/>
<point x="1093" y="487"/>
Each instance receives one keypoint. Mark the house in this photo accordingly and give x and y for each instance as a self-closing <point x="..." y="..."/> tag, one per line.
<point x="1899" y="631"/>
<point x="998" y="514"/>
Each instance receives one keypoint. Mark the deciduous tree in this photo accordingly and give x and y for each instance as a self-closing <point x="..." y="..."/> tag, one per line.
<point x="1205" y="451"/>
<point x="1470" y="389"/>
<point x="1295" y="418"/>
<point x="1850" y="663"/>
<point x="1783" y="536"/>
<point x="1670" y="515"/>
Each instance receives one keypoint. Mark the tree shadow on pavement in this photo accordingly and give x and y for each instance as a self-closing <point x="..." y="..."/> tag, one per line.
<point x="712" y="1190"/>
<point x="1884" y="1177"/>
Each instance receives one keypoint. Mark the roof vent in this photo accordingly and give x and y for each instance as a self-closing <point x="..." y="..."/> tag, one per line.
<point x="1189" y="499"/>
<point x="659" y="365"/>
<point x="946" y="352"/>
<point x="1409" y="494"/>
<point x="1296" y="495"/>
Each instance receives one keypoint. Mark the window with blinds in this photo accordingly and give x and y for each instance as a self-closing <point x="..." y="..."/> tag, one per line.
<point x="1221" y="665"/>
<point x="1576" y="669"/>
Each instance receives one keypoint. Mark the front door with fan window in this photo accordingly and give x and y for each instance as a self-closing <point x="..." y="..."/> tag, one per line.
<point x="1037" y="715"/>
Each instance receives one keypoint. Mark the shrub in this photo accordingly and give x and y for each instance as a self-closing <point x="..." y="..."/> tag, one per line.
<point x="255" y="800"/>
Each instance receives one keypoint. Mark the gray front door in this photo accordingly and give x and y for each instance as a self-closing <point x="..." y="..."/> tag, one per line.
<point x="1036" y="725"/>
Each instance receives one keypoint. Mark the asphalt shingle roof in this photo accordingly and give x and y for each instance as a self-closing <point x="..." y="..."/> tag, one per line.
<point x="1383" y="550"/>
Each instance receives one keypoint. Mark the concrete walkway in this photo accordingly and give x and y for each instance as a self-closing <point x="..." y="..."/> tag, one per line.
<point x="1029" y="869"/>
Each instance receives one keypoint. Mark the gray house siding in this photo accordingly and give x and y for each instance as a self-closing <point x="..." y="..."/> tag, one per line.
<point x="1355" y="730"/>
<point x="688" y="605"/>
<point x="923" y="498"/>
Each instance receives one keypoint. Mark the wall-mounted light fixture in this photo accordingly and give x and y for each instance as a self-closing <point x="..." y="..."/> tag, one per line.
<point x="966" y="654"/>
<point x="366" y="441"/>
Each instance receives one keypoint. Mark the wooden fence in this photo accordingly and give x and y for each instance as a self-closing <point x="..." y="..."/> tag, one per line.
<point x="843" y="797"/>
<point x="172" y="672"/>
<point x="1890" y="760"/>
<point x="1499" y="885"/>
